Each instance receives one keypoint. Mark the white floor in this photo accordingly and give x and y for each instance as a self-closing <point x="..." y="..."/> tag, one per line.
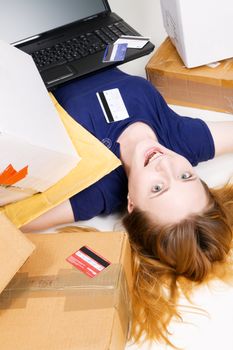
<point x="206" y="329"/>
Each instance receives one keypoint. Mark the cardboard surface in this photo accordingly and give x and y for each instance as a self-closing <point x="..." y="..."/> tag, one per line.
<point x="51" y="305"/>
<point x="15" y="249"/>
<point x="32" y="134"/>
<point x="202" y="87"/>
<point x="200" y="30"/>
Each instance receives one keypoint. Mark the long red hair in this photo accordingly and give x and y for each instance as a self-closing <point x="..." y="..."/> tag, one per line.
<point x="163" y="256"/>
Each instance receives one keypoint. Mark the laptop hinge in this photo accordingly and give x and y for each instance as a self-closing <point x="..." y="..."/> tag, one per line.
<point x="91" y="17"/>
<point x="25" y="40"/>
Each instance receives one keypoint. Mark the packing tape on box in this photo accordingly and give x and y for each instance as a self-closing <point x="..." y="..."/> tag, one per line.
<point x="108" y="289"/>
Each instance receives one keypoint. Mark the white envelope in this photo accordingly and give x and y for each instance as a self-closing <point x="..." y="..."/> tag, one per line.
<point x="31" y="131"/>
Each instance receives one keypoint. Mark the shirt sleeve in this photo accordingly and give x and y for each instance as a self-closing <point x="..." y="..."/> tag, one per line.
<point x="187" y="136"/>
<point x="106" y="196"/>
<point x="87" y="203"/>
<point x="198" y="144"/>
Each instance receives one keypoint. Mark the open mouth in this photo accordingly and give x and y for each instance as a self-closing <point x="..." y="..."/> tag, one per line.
<point x="151" y="155"/>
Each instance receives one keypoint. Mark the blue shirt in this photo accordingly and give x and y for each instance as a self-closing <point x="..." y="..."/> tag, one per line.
<point x="189" y="137"/>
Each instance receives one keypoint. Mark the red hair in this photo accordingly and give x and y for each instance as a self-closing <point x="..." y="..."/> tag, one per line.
<point x="164" y="255"/>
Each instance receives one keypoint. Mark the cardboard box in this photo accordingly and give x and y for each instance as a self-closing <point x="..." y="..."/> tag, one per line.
<point x="200" y="30"/>
<point x="51" y="305"/>
<point x="15" y="249"/>
<point x="34" y="141"/>
<point x="203" y="87"/>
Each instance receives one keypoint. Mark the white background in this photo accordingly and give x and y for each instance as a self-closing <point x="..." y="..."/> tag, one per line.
<point x="146" y="17"/>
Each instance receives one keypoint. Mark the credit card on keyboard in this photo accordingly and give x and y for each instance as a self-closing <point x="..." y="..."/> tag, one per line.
<point x="115" y="52"/>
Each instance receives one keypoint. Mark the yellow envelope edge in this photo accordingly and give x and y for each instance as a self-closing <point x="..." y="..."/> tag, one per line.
<point x="96" y="162"/>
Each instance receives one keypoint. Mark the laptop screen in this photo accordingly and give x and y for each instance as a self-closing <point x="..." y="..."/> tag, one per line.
<point x="20" y="19"/>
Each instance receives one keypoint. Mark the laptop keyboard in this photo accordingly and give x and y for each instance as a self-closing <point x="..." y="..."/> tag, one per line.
<point x="81" y="46"/>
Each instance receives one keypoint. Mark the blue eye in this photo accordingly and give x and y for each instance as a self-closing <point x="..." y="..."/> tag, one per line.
<point x="157" y="188"/>
<point x="186" y="175"/>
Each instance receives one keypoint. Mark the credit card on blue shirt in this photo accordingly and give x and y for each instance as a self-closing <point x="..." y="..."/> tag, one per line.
<point x="115" y="52"/>
<point x="112" y="105"/>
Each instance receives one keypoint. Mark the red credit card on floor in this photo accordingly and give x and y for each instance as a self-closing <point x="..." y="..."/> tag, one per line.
<point x="88" y="261"/>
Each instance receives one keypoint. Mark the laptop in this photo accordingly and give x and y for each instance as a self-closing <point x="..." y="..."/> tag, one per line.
<point x="67" y="39"/>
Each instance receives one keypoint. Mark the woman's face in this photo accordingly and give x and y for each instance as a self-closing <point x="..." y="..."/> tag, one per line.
<point x="164" y="184"/>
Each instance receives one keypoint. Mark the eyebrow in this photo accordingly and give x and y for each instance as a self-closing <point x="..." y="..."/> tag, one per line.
<point x="167" y="189"/>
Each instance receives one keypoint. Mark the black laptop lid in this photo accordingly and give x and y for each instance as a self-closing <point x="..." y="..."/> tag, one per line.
<point x="28" y="19"/>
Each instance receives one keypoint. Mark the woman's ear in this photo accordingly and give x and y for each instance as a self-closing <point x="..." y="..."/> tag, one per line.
<point x="130" y="205"/>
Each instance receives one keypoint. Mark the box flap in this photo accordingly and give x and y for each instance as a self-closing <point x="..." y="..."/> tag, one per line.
<point x="15" y="249"/>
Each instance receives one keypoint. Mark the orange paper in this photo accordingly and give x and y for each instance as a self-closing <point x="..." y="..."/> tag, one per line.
<point x="10" y="176"/>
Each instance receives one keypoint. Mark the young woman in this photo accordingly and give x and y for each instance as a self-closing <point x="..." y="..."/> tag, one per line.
<point x="176" y="224"/>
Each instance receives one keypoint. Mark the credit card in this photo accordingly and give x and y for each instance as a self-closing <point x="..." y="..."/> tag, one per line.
<point x="133" y="42"/>
<point x="115" y="52"/>
<point x="112" y="105"/>
<point x="88" y="261"/>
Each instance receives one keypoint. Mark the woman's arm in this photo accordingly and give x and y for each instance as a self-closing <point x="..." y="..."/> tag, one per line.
<point x="61" y="214"/>
<point x="222" y="133"/>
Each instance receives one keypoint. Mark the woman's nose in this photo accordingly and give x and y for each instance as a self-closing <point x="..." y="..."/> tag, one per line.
<point x="163" y="165"/>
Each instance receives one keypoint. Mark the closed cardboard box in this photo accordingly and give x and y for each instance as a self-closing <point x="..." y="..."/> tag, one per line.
<point x="51" y="305"/>
<point x="200" y="30"/>
<point x="206" y="87"/>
